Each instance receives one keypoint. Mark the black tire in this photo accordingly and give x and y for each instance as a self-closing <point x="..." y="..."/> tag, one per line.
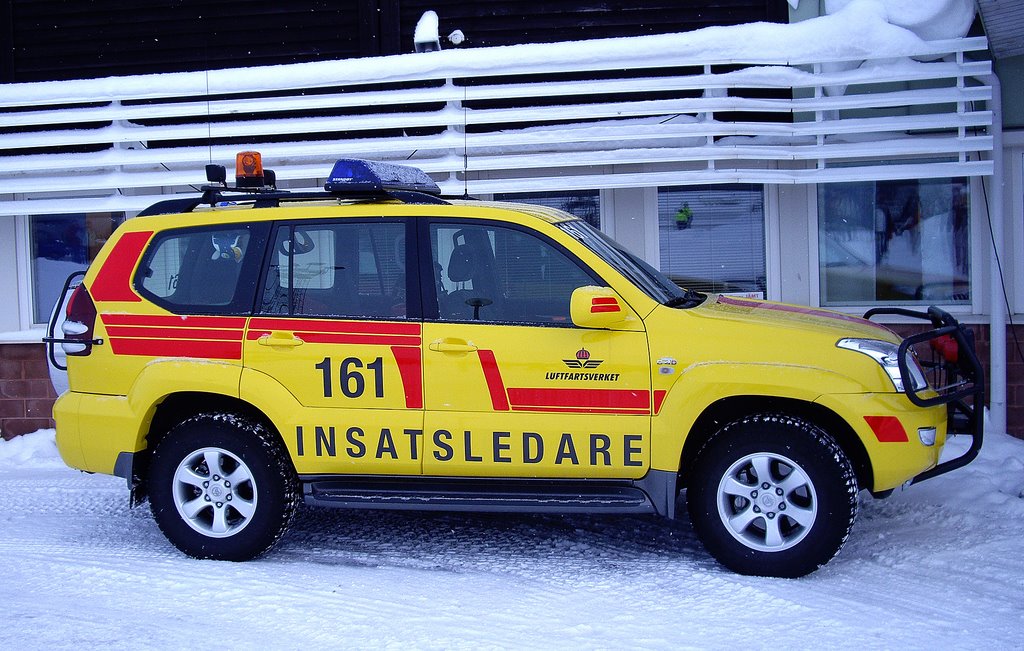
<point x="792" y="527"/>
<point x="221" y="486"/>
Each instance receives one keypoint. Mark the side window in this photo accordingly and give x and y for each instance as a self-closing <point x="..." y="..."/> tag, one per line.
<point x="495" y="273"/>
<point x="351" y="269"/>
<point x="203" y="270"/>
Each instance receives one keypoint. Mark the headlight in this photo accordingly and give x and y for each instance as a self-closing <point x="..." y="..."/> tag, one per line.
<point x="887" y="355"/>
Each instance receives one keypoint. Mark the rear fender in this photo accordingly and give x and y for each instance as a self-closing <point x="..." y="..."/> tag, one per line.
<point x="184" y="376"/>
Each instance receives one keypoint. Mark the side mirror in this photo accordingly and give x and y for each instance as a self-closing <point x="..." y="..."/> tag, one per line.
<point x="598" y="307"/>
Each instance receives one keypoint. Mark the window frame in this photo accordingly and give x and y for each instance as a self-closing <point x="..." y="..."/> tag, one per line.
<point x="413" y="305"/>
<point x="1014" y="236"/>
<point x="431" y="310"/>
<point x="240" y="304"/>
<point x="24" y="264"/>
<point x="979" y="239"/>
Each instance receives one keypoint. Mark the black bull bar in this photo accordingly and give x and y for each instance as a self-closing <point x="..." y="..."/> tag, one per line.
<point x="956" y="376"/>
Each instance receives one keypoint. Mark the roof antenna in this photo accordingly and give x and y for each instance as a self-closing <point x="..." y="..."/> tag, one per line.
<point x="206" y="69"/>
<point x="209" y="128"/>
<point x="465" y="145"/>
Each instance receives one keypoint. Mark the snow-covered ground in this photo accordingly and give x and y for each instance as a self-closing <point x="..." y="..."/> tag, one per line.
<point x="937" y="566"/>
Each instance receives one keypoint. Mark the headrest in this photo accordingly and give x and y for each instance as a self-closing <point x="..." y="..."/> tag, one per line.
<point x="462" y="264"/>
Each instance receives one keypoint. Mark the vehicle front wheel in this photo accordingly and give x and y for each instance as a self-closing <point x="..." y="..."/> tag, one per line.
<point x="221" y="487"/>
<point x="772" y="495"/>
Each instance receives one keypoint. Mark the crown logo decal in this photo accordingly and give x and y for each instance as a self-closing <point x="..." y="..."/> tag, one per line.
<point x="583" y="360"/>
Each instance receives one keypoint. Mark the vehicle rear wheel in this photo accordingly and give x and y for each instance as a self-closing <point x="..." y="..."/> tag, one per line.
<point x="221" y="487"/>
<point x="772" y="495"/>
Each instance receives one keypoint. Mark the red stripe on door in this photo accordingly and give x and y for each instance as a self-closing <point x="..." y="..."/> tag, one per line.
<point x="618" y="411"/>
<point x="625" y="401"/>
<point x="410" y="367"/>
<point x="340" y="338"/>
<point x="345" y="327"/>
<point x="659" y="399"/>
<point x="492" y="376"/>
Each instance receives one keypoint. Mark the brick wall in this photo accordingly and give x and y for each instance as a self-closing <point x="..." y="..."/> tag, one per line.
<point x="26" y="396"/>
<point x="1014" y="376"/>
<point x="1015" y="386"/>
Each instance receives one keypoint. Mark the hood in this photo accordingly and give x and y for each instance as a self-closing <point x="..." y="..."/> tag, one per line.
<point x="761" y="345"/>
<point x="813" y="321"/>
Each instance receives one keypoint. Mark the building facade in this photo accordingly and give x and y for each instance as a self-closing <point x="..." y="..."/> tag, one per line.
<point x="760" y="160"/>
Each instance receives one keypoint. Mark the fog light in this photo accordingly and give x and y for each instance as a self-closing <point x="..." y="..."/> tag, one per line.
<point x="927" y="435"/>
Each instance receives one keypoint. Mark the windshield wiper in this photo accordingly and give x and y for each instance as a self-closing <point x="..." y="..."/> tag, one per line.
<point x="690" y="298"/>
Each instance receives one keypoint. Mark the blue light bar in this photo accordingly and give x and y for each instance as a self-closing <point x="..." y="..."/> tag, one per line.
<point x="354" y="175"/>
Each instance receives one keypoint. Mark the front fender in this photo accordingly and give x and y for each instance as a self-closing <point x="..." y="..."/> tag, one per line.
<point x="704" y="383"/>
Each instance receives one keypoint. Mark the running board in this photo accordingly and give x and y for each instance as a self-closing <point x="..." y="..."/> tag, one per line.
<point x="525" y="496"/>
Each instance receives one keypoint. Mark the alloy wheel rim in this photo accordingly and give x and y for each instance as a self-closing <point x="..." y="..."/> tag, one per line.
<point x="767" y="502"/>
<point x="214" y="492"/>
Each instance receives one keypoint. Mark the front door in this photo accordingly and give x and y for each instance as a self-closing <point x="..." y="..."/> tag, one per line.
<point x="332" y="328"/>
<point x="512" y="388"/>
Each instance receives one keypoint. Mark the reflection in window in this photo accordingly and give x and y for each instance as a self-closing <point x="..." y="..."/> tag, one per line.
<point x="200" y="269"/>
<point x="904" y="241"/>
<point x="585" y="204"/>
<point x="712" y="237"/>
<point x="62" y="245"/>
<point x="351" y="269"/>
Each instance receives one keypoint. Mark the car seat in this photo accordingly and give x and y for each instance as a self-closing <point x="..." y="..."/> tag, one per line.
<point x="471" y="262"/>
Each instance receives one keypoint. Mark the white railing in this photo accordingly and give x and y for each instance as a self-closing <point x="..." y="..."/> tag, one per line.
<point x="503" y="120"/>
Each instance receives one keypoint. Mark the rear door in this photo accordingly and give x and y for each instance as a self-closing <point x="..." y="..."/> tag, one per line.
<point x="333" y="326"/>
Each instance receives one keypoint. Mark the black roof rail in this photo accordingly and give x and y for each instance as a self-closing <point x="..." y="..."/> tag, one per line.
<point x="352" y="179"/>
<point x="171" y="206"/>
<point x="272" y="199"/>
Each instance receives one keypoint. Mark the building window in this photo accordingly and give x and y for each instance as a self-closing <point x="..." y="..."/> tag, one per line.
<point x="585" y="204"/>
<point x="894" y="242"/>
<point x="712" y="238"/>
<point x="62" y="245"/>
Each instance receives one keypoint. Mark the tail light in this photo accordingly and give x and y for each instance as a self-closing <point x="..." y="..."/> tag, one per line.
<point x="79" y="323"/>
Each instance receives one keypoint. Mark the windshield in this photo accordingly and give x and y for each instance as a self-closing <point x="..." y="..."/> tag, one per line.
<point x="654" y="283"/>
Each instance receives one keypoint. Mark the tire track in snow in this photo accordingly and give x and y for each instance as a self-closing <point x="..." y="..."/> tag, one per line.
<point x="78" y="568"/>
<point x="541" y="573"/>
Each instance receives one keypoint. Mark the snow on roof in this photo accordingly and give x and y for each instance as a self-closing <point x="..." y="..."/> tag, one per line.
<point x="857" y="30"/>
<point x="929" y="19"/>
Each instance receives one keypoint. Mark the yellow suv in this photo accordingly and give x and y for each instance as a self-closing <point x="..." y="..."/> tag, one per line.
<point x="378" y="346"/>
